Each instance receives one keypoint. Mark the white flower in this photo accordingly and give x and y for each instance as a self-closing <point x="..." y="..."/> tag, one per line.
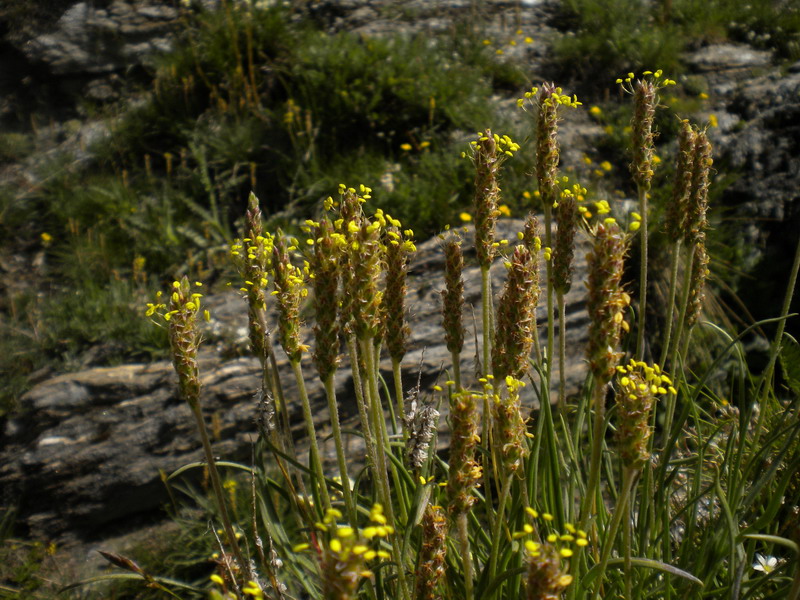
<point x="766" y="564"/>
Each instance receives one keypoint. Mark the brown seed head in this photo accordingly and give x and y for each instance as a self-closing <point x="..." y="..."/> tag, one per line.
<point x="516" y="316"/>
<point x="697" y="282"/>
<point x="638" y="387"/>
<point x="681" y="191"/>
<point x="453" y="294"/>
<point x="510" y="428"/>
<point x="547" y="148"/>
<point x="465" y="472"/>
<point x="397" y="248"/>
<point x="698" y="201"/>
<point x="432" y="554"/>
<point x="290" y="290"/>
<point x="184" y="338"/>
<point x="564" y="249"/>
<point x="644" y="109"/>
<point x="606" y="302"/>
<point x="487" y="193"/>
<point x="324" y="268"/>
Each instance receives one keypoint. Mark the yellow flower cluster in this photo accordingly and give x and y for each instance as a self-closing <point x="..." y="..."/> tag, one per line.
<point x="556" y="99"/>
<point x="638" y="375"/>
<point x="505" y="145"/>
<point x="657" y="77"/>
<point x="191" y="306"/>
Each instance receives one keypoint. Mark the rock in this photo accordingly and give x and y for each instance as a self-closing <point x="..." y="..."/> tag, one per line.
<point x="91" y="40"/>
<point x="89" y="450"/>
<point x="718" y="57"/>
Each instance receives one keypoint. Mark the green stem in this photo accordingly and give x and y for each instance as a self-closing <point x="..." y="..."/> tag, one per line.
<point x="397" y="374"/>
<point x="687" y="274"/>
<point x="486" y="320"/>
<point x="333" y="410"/>
<point x="466" y="558"/>
<point x="456" y="362"/>
<point x="562" y="353"/>
<point x="486" y="294"/>
<point x="548" y="236"/>
<point x="766" y="378"/>
<point x="599" y="402"/>
<point x="216" y="484"/>
<point x="363" y="412"/>
<point x="673" y="289"/>
<point x="316" y="461"/>
<point x="642" y="190"/>
<point x="619" y="511"/>
<point x="498" y="527"/>
<point x="381" y="446"/>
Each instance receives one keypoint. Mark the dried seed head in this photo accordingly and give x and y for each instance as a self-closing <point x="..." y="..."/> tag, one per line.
<point x="420" y="424"/>
<point x="682" y="189"/>
<point x="697" y="282"/>
<point x="432" y="554"/>
<point x="465" y="472"/>
<point x="564" y="249"/>
<point x="453" y="294"/>
<point x="510" y="429"/>
<point x="398" y="249"/>
<point x="645" y="100"/>
<point x="606" y="302"/>
<point x="698" y="201"/>
<point x="638" y="387"/>
<point x="516" y="316"/>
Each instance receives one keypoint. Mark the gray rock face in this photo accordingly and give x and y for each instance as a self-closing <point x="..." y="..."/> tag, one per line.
<point x="90" y="450"/>
<point x="95" y="40"/>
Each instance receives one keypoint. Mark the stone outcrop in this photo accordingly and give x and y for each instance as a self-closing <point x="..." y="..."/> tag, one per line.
<point x="89" y="451"/>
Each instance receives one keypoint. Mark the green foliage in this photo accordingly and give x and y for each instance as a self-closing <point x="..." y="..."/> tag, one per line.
<point x="606" y="39"/>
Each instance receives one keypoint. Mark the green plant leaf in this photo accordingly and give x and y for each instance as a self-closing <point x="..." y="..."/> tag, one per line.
<point x="790" y="362"/>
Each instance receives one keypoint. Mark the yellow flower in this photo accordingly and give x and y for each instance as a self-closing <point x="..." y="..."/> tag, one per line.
<point x="504" y="210"/>
<point x="595" y="111"/>
<point x="712" y="121"/>
<point x="703" y="96"/>
<point x="605" y="165"/>
<point x="465" y="217"/>
<point x="47" y="239"/>
<point x="499" y="51"/>
<point x="528" y="40"/>
<point x="405" y="147"/>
